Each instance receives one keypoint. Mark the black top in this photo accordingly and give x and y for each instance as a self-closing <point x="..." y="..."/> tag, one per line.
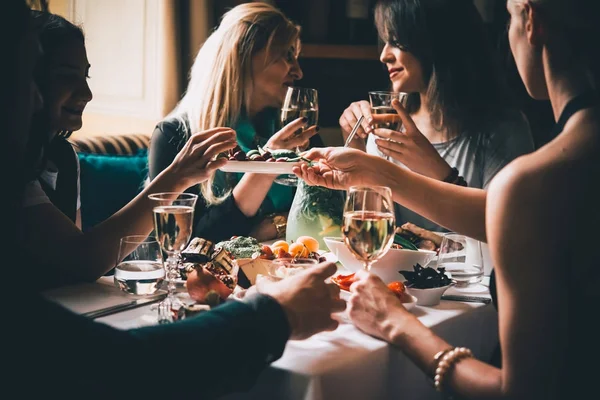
<point x="58" y="353"/>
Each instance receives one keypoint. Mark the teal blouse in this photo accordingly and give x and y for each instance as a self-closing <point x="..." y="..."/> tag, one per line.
<point x="249" y="136"/>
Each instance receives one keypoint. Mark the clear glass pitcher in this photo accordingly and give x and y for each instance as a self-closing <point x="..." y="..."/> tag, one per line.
<point x="317" y="212"/>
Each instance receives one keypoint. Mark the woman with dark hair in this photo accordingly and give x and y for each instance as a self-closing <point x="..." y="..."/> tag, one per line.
<point x="52" y="351"/>
<point x="540" y="217"/>
<point x="52" y="235"/>
<point x="61" y="76"/>
<point x="465" y="128"/>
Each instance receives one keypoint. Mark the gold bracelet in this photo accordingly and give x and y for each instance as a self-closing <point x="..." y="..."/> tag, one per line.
<point x="447" y="362"/>
<point x="280" y="222"/>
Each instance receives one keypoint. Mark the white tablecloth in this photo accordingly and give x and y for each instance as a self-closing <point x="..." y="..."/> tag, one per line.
<point x="344" y="364"/>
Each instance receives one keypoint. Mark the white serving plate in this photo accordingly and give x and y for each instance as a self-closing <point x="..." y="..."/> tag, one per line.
<point x="260" y="167"/>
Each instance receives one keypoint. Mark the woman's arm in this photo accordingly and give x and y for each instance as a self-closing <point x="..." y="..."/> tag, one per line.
<point x="56" y="242"/>
<point x="460" y="209"/>
<point x="457" y="208"/>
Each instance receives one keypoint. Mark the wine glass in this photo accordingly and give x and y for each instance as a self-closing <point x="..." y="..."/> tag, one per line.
<point x="299" y="102"/>
<point x="173" y="220"/>
<point x="462" y="258"/>
<point x="369" y="223"/>
<point x="139" y="269"/>
<point x="384" y="114"/>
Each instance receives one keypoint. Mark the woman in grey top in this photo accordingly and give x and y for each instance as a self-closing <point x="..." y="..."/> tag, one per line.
<point x="464" y="128"/>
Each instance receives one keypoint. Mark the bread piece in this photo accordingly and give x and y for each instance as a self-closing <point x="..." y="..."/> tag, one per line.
<point x="423" y="233"/>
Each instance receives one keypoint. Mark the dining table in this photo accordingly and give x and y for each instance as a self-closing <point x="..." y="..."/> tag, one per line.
<point x="342" y="364"/>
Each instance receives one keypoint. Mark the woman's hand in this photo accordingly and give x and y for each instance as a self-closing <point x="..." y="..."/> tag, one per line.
<point x="337" y="167"/>
<point x="374" y="308"/>
<point x="411" y="148"/>
<point x="292" y="135"/>
<point x="349" y="118"/>
<point x="196" y="161"/>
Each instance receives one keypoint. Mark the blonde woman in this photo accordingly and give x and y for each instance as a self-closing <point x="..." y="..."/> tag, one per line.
<point x="239" y="79"/>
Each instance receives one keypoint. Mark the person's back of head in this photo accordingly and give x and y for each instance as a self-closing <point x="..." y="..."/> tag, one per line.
<point x="573" y="31"/>
<point x="449" y="39"/>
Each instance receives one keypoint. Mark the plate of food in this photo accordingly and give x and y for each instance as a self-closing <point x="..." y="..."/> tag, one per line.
<point x="397" y="287"/>
<point x="261" y="161"/>
<point x="260" y="167"/>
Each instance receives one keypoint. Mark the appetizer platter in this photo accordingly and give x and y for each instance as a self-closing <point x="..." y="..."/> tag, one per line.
<point x="261" y="161"/>
<point x="212" y="272"/>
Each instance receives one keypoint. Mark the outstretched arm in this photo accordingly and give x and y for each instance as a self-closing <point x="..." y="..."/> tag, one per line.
<point x="457" y="208"/>
<point x="57" y="245"/>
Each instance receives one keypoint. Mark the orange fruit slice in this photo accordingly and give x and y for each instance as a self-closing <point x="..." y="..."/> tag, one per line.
<point x="311" y="243"/>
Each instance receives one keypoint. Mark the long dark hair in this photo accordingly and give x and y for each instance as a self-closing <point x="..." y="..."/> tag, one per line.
<point x="449" y="39"/>
<point x="53" y="32"/>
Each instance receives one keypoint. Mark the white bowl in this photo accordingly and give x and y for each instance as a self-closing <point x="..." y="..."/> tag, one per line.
<point x="388" y="266"/>
<point x="428" y="297"/>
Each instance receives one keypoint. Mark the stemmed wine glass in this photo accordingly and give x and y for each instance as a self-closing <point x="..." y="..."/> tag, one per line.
<point x="369" y="223"/>
<point x="173" y="220"/>
<point x="299" y="102"/>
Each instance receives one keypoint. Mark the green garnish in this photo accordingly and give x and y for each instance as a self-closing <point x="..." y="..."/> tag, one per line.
<point x="241" y="246"/>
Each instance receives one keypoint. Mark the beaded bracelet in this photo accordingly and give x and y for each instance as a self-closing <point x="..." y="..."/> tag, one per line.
<point x="447" y="362"/>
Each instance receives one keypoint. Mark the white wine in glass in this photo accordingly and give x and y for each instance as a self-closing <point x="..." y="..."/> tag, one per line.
<point x="299" y="102"/>
<point x="369" y="223"/>
<point x="173" y="220"/>
<point x="173" y="226"/>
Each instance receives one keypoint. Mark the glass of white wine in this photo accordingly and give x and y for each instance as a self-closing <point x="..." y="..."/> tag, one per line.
<point x="299" y="102"/>
<point x="173" y="221"/>
<point x="369" y="223"/>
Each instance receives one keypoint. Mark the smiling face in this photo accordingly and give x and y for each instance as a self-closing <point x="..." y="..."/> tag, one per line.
<point x="406" y="72"/>
<point x="528" y="56"/>
<point x="66" y="91"/>
<point x="271" y="79"/>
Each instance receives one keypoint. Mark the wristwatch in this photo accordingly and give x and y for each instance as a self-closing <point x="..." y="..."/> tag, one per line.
<point x="280" y="222"/>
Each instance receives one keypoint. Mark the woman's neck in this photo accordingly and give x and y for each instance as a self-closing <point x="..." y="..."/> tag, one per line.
<point x="565" y="84"/>
<point x="422" y="118"/>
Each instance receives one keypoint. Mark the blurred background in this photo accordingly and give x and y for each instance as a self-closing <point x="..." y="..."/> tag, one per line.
<point x="141" y="52"/>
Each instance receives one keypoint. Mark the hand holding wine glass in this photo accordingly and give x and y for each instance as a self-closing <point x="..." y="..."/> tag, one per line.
<point x="369" y="222"/>
<point x="299" y="103"/>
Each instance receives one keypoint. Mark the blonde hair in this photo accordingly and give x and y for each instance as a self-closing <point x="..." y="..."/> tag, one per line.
<point x="220" y="86"/>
